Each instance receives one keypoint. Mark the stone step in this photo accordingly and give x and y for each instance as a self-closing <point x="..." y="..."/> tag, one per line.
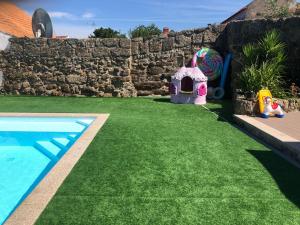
<point x="82" y="123"/>
<point x="49" y="149"/>
<point x="72" y="137"/>
<point x="61" y="142"/>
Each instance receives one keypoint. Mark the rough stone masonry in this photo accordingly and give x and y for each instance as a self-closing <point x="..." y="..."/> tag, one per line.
<point x="127" y="68"/>
<point x="98" y="67"/>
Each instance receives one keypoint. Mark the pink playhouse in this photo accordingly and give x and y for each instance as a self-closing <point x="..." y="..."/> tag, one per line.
<point x="189" y="86"/>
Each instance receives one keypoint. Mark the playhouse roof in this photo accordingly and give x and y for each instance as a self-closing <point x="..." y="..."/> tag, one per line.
<point x="194" y="73"/>
<point x="14" y="21"/>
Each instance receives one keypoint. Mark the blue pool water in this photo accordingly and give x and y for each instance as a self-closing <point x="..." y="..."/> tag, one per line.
<point x="29" y="148"/>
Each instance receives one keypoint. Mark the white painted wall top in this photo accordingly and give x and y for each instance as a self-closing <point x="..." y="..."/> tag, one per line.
<point x="4" y="41"/>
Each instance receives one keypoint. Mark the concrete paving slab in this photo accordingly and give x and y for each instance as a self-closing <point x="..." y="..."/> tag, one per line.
<point x="289" y="125"/>
<point x="275" y="132"/>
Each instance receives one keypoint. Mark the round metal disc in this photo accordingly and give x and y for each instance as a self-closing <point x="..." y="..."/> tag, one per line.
<point x="41" y="23"/>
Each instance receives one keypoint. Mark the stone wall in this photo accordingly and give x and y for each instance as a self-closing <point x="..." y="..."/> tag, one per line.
<point x="99" y="67"/>
<point x="237" y="34"/>
<point x="124" y="68"/>
<point x="250" y="107"/>
<point x="155" y="60"/>
<point x="91" y="67"/>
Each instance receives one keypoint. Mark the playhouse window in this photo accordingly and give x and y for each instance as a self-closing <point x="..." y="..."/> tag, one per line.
<point x="187" y="84"/>
<point x="172" y="89"/>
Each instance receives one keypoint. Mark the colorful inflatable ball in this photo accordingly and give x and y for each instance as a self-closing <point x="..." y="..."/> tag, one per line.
<point x="209" y="62"/>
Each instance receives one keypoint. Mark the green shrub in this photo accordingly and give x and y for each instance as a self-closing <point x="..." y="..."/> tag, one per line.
<point x="264" y="65"/>
<point x="106" y="33"/>
<point x="144" y="31"/>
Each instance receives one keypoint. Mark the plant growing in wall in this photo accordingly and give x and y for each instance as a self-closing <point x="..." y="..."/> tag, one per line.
<point x="264" y="65"/>
<point x="274" y="10"/>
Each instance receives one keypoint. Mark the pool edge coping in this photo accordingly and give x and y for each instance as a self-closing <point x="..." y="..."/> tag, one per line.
<point x="32" y="207"/>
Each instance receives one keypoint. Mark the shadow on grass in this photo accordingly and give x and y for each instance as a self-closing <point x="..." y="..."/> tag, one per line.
<point x="224" y="112"/>
<point x="223" y="108"/>
<point x="286" y="175"/>
<point x="163" y="100"/>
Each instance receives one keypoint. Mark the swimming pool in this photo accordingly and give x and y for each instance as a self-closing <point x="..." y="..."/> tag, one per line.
<point x="29" y="148"/>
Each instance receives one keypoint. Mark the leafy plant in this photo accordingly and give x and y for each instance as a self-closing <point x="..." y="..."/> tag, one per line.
<point x="144" y="31"/>
<point x="264" y="65"/>
<point x="107" y="33"/>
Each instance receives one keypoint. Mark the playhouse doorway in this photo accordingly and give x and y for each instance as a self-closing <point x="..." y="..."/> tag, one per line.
<point x="187" y="85"/>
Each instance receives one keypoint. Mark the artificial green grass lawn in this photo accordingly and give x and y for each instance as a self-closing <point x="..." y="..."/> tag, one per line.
<point x="158" y="163"/>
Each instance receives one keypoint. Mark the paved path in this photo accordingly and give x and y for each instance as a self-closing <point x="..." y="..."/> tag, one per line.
<point x="290" y="125"/>
<point x="283" y="134"/>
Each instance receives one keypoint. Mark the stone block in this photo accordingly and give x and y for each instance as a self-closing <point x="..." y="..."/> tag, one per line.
<point x="182" y="41"/>
<point x="98" y="42"/>
<point x="25" y="84"/>
<point x="100" y="52"/>
<point x="115" y="52"/>
<point x="90" y="43"/>
<point x="144" y="47"/>
<point x="148" y="85"/>
<point x="111" y="42"/>
<point x="125" y="43"/>
<point x="135" y="47"/>
<point x="244" y="107"/>
<point x="89" y="91"/>
<point x="155" y="70"/>
<point x="144" y="93"/>
<point x="74" y="79"/>
<point x="209" y="36"/>
<point x="155" y="45"/>
<point x="55" y="43"/>
<point x="82" y="52"/>
<point x="168" y="44"/>
<point x="198" y="39"/>
<point x="65" y="51"/>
